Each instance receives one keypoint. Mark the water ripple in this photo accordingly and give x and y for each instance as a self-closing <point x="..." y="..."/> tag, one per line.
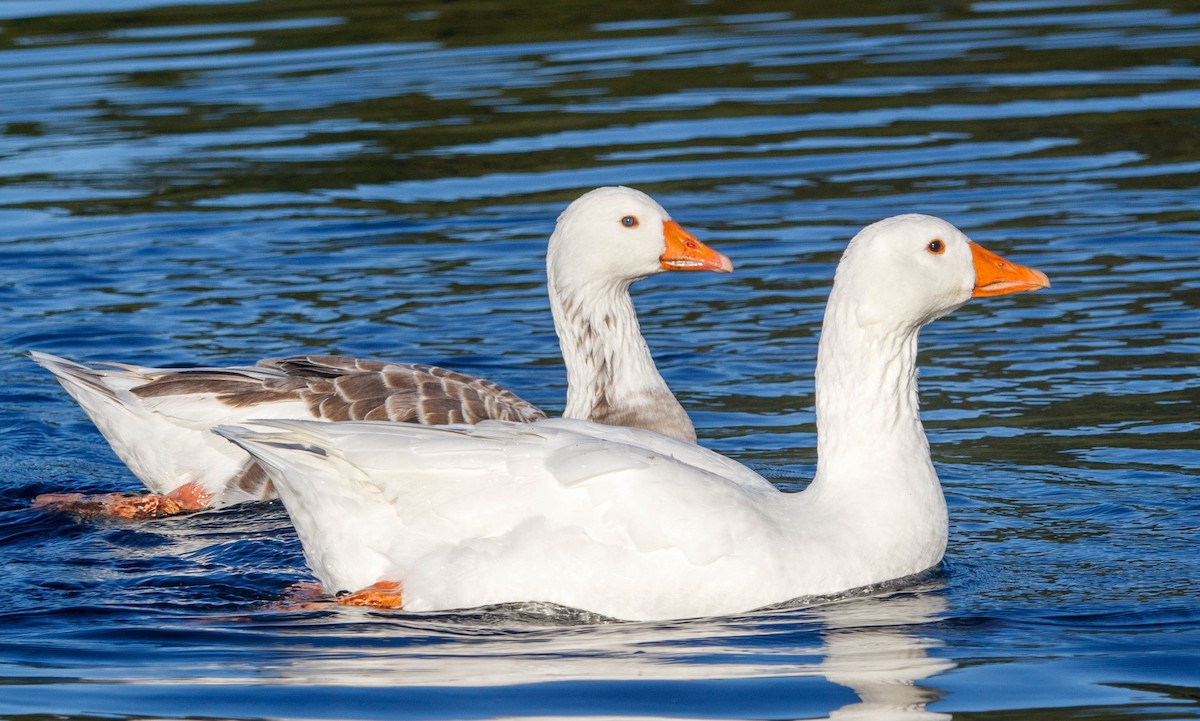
<point x="216" y="182"/>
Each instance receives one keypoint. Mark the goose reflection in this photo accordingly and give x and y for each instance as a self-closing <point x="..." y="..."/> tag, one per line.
<point x="872" y="648"/>
<point x="872" y="645"/>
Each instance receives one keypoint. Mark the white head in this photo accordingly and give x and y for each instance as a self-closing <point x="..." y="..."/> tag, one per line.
<point x="908" y="270"/>
<point x="603" y="242"/>
<point x="896" y="276"/>
<point x="621" y="235"/>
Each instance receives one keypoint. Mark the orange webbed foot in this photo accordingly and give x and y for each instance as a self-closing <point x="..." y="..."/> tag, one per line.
<point x="384" y="594"/>
<point x="188" y="497"/>
<point x="109" y="505"/>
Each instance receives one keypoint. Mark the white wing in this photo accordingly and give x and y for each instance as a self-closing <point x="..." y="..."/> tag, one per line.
<point x="512" y="512"/>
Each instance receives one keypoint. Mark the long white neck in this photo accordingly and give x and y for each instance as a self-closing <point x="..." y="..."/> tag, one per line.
<point x="611" y="376"/>
<point x="873" y="464"/>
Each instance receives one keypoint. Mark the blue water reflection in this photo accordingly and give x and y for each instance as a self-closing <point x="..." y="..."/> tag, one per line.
<point x="215" y="182"/>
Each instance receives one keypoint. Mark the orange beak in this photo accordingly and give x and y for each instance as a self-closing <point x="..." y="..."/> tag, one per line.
<point x="997" y="276"/>
<point x="684" y="252"/>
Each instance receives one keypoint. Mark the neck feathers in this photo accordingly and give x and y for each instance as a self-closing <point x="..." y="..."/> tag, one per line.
<point x="868" y="414"/>
<point x="874" y="474"/>
<point x="611" y="376"/>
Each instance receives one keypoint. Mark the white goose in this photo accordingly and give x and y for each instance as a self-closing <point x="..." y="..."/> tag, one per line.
<point x="157" y="420"/>
<point x="632" y="524"/>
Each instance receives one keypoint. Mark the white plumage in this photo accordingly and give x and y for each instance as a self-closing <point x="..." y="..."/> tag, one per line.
<point x="158" y="420"/>
<point x="631" y="524"/>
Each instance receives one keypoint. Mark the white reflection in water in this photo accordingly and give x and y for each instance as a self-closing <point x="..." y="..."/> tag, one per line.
<point x="871" y="648"/>
<point x="872" y="645"/>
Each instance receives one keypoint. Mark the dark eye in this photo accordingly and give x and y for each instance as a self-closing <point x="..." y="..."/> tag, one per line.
<point x="936" y="247"/>
<point x="629" y="221"/>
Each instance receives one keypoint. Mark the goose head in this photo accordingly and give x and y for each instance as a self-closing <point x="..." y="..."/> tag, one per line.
<point x="909" y="270"/>
<point x="621" y="235"/>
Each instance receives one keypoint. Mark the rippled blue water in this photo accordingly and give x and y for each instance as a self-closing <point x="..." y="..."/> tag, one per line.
<point x="222" y="181"/>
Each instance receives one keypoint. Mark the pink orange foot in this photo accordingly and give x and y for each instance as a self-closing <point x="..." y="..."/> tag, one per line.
<point x="303" y="595"/>
<point x="188" y="497"/>
<point x="384" y="594"/>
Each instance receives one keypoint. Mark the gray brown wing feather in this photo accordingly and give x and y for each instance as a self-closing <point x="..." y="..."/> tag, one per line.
<point x="336" y="388"/>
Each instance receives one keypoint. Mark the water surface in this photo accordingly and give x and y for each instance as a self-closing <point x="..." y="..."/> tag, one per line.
<point x="223" y="181"/>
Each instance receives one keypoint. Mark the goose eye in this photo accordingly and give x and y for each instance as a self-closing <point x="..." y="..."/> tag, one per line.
<point x="629" y="221"/>
<point x="936" y="247"/>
